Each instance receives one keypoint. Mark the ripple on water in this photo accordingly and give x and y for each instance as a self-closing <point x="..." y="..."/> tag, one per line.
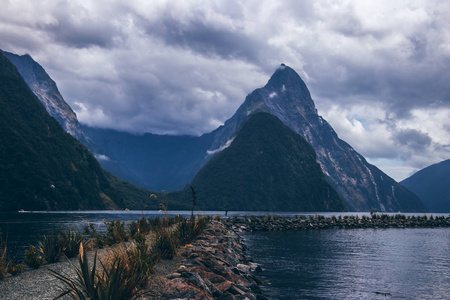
<point x="354" y="264"/>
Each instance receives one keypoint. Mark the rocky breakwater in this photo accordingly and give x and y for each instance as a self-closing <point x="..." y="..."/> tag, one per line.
<point x="214" y="267"/>
<point x="273" y="223"/>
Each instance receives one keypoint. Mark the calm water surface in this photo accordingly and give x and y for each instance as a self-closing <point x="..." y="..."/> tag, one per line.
<point x="354" y="263"/>
<point x="323" y="264"/>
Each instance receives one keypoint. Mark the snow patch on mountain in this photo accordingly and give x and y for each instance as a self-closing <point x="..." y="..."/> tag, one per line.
<point x="221" y="148"/>
<point x="103" y="157"/>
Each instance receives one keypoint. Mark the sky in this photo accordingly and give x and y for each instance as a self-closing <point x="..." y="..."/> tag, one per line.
<point x="378" y="71"/>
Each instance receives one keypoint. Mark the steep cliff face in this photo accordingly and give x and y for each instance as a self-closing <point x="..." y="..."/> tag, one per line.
<point x="362" y="186"/>
<point x="41" y="166"/>
<point x="48" y="94"/>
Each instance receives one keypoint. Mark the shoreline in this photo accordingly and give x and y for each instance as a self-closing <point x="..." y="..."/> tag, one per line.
<point x="213" y="266"/>
<point x="216" y="265"/>
<point x="318" y="222"/>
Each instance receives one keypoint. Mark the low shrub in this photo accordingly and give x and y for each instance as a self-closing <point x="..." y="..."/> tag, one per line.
<point x="14" y="269"/>
<point x="33" y="258"/>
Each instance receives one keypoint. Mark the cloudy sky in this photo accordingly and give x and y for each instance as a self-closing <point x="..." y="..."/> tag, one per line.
<point x="378" y="71"/>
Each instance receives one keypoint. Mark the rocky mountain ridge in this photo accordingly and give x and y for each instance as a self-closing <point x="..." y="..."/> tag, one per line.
<point x="362" y="186"/>
<point x="47" y="92"/>
<point x="266" y="167"/>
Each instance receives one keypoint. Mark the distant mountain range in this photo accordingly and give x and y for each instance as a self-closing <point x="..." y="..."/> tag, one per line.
<point x="432" y="185"/>
<point x="44" y="168"/>
<point x="171" y="162"/>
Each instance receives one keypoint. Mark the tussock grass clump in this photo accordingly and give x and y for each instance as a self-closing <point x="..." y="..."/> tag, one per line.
<point x="141" y="226"/>
<point x="115" y="232"/>
<point x="33" y="258"/>
<point x="165" y="244"/>
<point x="188" y="230"/>
<point x="71" y="240"/>
<point x="118" y="278"/>
<point x="51" y="246"/>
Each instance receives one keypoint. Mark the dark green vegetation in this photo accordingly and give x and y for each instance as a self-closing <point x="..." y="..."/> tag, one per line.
<point x="44" y="168"/>
<point x="33" y="258"/>
<point x="266" y="167"/>
<point x="432" y="185"/>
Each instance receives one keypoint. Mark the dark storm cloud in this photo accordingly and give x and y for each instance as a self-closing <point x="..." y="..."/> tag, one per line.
<point x="79" y="27"/>
<point x="204" y="39"/>
<point x="81" y="35"/>
<point x="415" y="140"/>
<point x="376" y="69"/>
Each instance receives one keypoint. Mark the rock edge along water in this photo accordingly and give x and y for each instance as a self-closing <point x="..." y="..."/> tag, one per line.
<point x="273" y="223"/>
<point x="215" y="267"/>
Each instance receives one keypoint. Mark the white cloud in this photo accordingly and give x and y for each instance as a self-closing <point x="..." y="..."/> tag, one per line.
<point x="183" y="67"/>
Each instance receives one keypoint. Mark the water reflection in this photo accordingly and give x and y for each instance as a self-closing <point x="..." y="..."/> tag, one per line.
<point x="354" y="264"/>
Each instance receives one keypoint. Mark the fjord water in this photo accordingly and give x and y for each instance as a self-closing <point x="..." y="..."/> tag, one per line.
<point x="353" y="263"/>
<point x="316" y="264"/>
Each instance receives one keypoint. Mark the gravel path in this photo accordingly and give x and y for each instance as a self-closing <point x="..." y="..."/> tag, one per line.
<point x="40" y="284"/>
<point x="34" y="284"/>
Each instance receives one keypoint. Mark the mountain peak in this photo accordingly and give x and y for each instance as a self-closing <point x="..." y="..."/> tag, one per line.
<point x="287" y="77"/>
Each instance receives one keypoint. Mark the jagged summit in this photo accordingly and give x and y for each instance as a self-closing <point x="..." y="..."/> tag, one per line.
<point x="284" y="78"/>
<point x="362" y="186"/>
